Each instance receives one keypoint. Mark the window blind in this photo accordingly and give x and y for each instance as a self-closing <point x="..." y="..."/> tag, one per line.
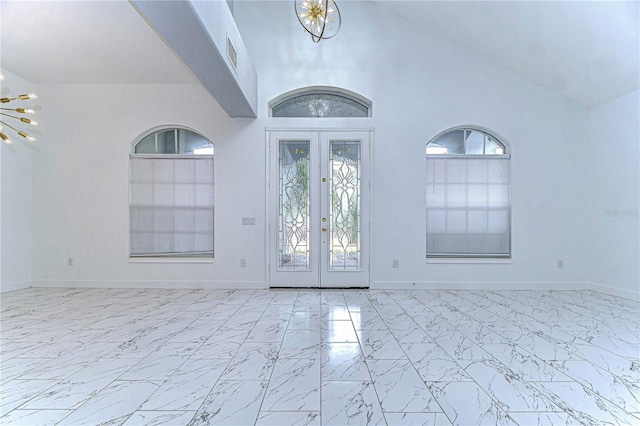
<point x="468" y="206"/>
<point x="171" y="205"/>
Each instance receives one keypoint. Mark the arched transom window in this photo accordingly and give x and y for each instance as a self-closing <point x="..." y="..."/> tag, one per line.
<point x="174" y="141"/>
<point x="465" y="141"/>
<point x="320" y="102"/>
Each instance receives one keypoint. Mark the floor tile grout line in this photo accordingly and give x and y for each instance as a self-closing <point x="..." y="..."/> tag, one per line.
<point x="563" y="348"/>
<point x="499" y="403"/>
<point x="409" y="360"/>
<point x="197" y="410"/>
<point x="112" y="382"/>
<point x="573" y="379"/>
<point x="277" y="356"/>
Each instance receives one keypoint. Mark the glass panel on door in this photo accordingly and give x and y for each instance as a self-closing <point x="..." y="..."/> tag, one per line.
<point x="344" y="209"/>
<point x="294" y="201"/>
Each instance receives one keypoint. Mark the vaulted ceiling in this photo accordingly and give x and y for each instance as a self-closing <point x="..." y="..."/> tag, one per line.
<point x="75" y="42"/>
<point x="586" y="51"/>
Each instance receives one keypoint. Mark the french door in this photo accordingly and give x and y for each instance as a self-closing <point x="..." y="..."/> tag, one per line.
<point x="319" y="209"/>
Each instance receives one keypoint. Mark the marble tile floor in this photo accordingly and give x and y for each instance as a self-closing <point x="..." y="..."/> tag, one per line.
<point x="312" y="357"/>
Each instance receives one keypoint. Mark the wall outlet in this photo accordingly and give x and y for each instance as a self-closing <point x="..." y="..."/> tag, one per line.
<point x="396" y="263"/>
<point x="560" y="264"/>
<point x="248" y="220"/>
<point x="243" y="263"/>
<point x="70" y="261"/>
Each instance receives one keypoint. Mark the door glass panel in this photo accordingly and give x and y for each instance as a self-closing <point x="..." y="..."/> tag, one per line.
<point x="293" y="222"/>
<point x="344" y="209"/>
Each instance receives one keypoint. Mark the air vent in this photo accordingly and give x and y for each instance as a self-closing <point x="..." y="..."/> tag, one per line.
<point x="232" y="54"/>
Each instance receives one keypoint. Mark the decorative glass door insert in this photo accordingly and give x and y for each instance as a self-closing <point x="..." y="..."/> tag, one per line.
<point x="344" y="208"/>
<point x="294" y="201"/>
<point x="319" y="202"/>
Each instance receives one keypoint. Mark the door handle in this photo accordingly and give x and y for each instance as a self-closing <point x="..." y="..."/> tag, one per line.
<point x="324" y="229"/>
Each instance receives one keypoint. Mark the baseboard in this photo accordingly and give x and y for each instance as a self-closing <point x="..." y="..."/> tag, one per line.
<point x="168" y="284"/>
<point x="21" y="285"/>
<point x="480" y="285"/>
<point x="376" y="285"/>
<point x="625" y="294"/>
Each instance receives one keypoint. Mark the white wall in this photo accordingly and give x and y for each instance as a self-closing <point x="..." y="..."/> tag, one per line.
<point x="82" y="187"/>
<point x="615" y="184"/>
<point x="16" y="196"/>
<point x="420" y="85"/>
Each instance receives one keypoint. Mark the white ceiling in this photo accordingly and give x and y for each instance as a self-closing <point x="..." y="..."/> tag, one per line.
<point x="587" y="51"/>
<point x="67" y="42"/>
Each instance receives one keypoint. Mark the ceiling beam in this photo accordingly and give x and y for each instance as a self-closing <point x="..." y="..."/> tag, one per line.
<point x="197" y="32"/>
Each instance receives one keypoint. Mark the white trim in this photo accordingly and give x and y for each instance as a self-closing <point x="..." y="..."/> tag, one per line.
<point x="168" y="284"/>
<point x="319" y="129"/>
<point x="466" y="156"/>
<point x="375" y="285"/>
<point x="481" y="285"/>
<point x="20" y="285"/>
<point x="267" y="207"/>
<point x="170" y="259"/>
<point x="474" y="260"/>
<point x="172" y="156"/>
<point x="625" y="294"/>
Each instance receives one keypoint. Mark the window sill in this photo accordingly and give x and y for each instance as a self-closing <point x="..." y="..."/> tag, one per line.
<point x="170" y="260"/>
<point x="470" y="260"/>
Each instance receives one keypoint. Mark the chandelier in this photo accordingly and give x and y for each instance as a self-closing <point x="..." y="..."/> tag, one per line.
<point x="320" y="18"/>
<point x="16" y="120"/>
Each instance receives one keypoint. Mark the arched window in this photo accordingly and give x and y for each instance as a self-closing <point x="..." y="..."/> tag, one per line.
<point x="320" y="101"/>
<point x="468" y="195"/>
<point x="174" y="141"/>
<point x="465" y="141"/>
<point x="171" y="195"/>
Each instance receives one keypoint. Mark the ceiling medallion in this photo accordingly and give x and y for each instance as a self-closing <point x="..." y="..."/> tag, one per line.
<point x="320" y="18"/>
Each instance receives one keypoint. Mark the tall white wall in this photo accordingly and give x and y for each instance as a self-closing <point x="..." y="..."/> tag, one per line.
<point x="615" y="186"/>
<point x="82" y="187"/>
<point x="15" y="197"/>
<point x="421" y="85"/>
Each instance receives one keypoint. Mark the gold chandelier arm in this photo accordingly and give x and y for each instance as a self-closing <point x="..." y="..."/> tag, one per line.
<point x="24" y="97"/>
<point x="18" y="131"/>
<point x="20" y="110"/>
<point x="23" y="119"/>
<point x="8" y="125"/>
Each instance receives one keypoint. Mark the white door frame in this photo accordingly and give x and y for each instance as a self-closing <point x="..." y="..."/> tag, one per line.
<point x="272" y="217"/>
